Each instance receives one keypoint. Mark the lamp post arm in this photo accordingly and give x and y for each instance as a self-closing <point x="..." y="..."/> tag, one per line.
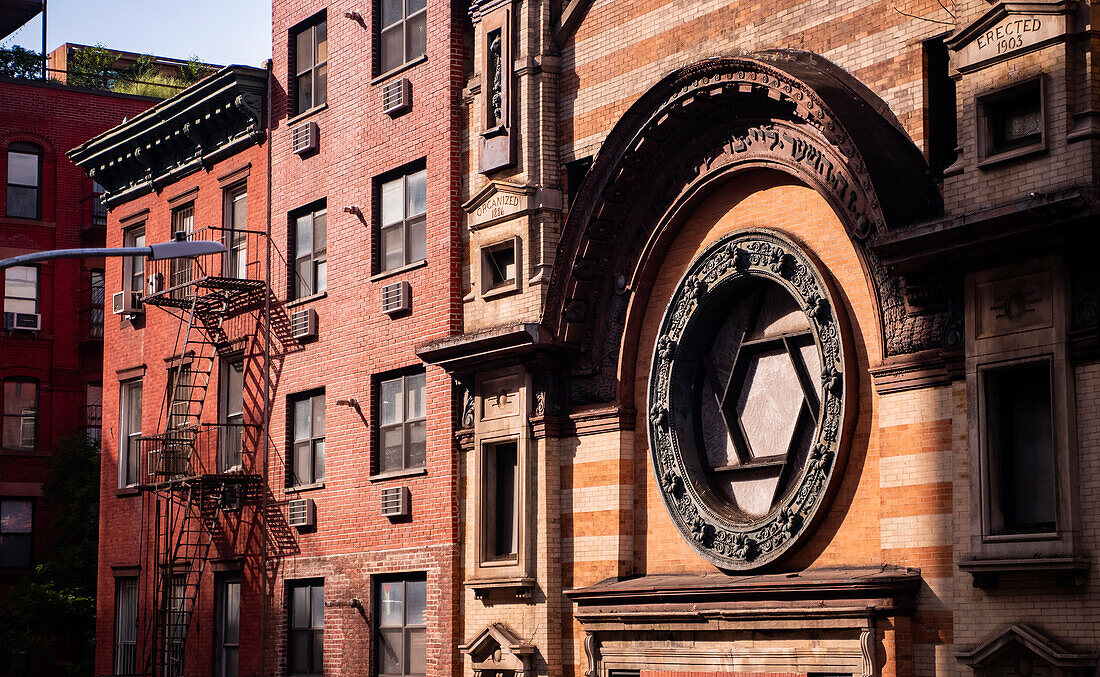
<point x="166" y="250"/>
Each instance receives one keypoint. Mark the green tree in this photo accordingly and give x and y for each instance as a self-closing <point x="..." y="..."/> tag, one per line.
<point x="194" y="70"/>
<point x="156" y="85"/>
<point x="47" y="624"/>
<point x="17" y="62"/>
<point x="93" y="67"/>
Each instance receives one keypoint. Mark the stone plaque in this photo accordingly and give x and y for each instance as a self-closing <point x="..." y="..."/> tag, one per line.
<point x="499" y="201"/>
<point x="1004" y="31"/>
<point x="1015" y="304"/>
<point x="500" y="398"/>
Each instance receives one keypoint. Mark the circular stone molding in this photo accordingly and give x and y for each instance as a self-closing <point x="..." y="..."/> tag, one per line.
<point x="748" y="395"/>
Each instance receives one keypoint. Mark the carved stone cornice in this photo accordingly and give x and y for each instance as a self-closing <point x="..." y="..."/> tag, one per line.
<point x="189" y="132"/>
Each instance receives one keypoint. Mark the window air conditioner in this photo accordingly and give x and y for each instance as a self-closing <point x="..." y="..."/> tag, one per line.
<point x="395" y="502"/>
<point x="303" y="324"/>
<point x="304" y="138"/>
<point x="127" y="303"/>
<point x="396" y="97"/>
<point x="302" y="513"/>
<point x="396" y="297"/>
<point x="22" y="321"/>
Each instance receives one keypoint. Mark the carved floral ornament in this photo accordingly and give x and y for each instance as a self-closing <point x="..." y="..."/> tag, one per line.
<point x="748" y="396"/>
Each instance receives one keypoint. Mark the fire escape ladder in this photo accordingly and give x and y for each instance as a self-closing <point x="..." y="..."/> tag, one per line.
<point x="192" y="375"/>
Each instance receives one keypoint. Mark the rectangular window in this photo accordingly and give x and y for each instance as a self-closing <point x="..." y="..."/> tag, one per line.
<point x="24" y="180"/>
<point x="403" y="29"/>
<point x="235" y="219"/>
<point x="229" y="625"/>
<point x="95" y="317"/>
<point x="126" y="625"/>
<point x="16" y="533"/>
<point x="179" y="393"/>
<point x="308" y="433"/>
<point x="310" y="252"/>
<point x="20" y="414"/>
<point x="1012" y="121"/>
<point x="1021" y="491"/>
<point x="499" y="267"/>
<point x="500" y="500"/>
<point x="402" y="420"/>
<point x="402" y="227"/>
<point x="99" y="210"/>
<point x="230" y="451"/>
<point x="401" y="604"/>
<point x="310" y="65"/>
<point x="305" y="636"/>
<point x="175" y="624"/>
<point x="129" y="446"/>
<point x="93" y="411"/>
<point x="21" y="289"/>
<point x="134" y="267"/>
<point x="183" y="221"/>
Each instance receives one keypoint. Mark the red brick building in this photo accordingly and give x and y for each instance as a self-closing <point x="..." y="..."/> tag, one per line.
<point x="51" y="342"/>
<point x="279" y="475"/>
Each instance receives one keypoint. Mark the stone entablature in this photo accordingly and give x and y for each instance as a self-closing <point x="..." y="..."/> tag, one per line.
<point x="1007" y="30"/>
<point x="202" y="125"/>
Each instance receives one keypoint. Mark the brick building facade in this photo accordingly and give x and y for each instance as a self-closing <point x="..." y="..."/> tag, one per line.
<point x="51" y="342"/>
<point x="637" y="339"/>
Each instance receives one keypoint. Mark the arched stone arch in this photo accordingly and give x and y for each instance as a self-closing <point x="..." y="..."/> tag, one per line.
<point x="27" y="137"/>
<point x="793" y="112"/>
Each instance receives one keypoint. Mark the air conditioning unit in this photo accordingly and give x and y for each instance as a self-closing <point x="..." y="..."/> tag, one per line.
<point x="22" y="321"/>
<point x="301" y="513"/>
<point x="127" y="302"/>
<point x="304" y="137"/>
<point x="396" y="97"/>
<point x="396" y="297"/>
<point x="395" y="502"/>
<point x="303" y="324"/>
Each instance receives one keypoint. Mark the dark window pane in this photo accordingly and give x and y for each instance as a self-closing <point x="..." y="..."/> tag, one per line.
<point x="305" y="93"/>
<point x="15" y="550"/>
<point x="303" y="50"/>
<point x="416" y="591"/>
<point x="22" y="202"/>
<point x="317" y="659"/>
<point x="299" y="604"/>
<point x="389" y="656"/>
<point x="322" y="42"/>
<point x="319" y="460"/>
<point x="391" y="449"/>
<point x="418" y="244"/>
<point x="321" y="94"/>
<point x="416" y="653"/>
<point x="417" y="444"/>
<point x="415" y="6"/>
<point x="393" y="254"/>
<point x="299" y="651"/>
<point x="392" y="55"/>
<point x="391" y="12"/>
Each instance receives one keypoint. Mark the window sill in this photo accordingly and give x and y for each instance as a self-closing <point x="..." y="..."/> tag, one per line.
<point x="306" y="299"/>
<point x="397" y="271"/>
<point x="397" y="474"/>
<point x="299" y="488"/>
<point x="519" y="586"/>
<point x="22" y="221"/>
<point x="126" y="492"/>
<point x="497" y="292"/>
<point x="1070" y="569"/>
<point x="1010" y="155"/>
<point x="400" y="69"/>
<point x="306" y="113"/>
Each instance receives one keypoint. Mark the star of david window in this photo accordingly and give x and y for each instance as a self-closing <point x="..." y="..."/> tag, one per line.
<point x="748" y="399"/>
<point x="758" y="399"/>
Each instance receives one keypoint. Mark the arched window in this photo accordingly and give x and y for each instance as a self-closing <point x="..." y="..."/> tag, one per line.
<point x="24" y="181"/>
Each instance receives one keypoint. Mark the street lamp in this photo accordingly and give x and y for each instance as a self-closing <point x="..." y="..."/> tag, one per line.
<point x="176" y="249"/>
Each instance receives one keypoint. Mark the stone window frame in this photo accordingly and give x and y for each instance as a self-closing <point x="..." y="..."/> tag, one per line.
<point x="488" y="288"/>
<point x="311" y="25"/>
<point x="986" y="107"/>
<point x="502" y="416"/>
<point x="991" y="553"/>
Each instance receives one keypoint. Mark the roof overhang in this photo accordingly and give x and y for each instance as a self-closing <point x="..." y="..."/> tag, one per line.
<point x="14" y="14"/>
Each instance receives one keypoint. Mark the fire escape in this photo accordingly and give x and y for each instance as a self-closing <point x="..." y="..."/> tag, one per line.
<point x="197" y="476"/>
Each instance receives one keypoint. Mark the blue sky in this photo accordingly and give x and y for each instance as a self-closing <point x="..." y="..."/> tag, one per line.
<point x="217" y="31"/>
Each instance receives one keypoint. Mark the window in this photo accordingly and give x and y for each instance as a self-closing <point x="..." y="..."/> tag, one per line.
<point x="175" y="624"/>
<point x="236" y="239"/>
<point x="134" y="267"/>
<point x="230" y="451"/>
<point x="1021" y="482"/>
<point x="402" y="423"/>
<point x="308" y="433"/>
<point x="229" y="625"/>
<point x="129" y="446"/>
<point x="500" y="500"/>
<point x="126" y="625"/>
<point x="311" y="65"/>
<point x="24" y="180"/>
<point x="498" y="267"/>
<point x="1013" y="123"/>
<point x="16" y="532"/>
<point x="404" y="202"/>
<point x="99" y="210"/>
<point x="401" y="626"/>
<point x="179" y="391"/>
<point x="941" y="122"/>
<point x="95" y="316"/>
<point x="404" y="30"/>
<point x="310" y="253"/>
<point x="183" y="221"/>
<point x="305" y="636"/>
<point x="93" y="411"/>
<point x="20" y="414"/>
<point x="21" y="289"/>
